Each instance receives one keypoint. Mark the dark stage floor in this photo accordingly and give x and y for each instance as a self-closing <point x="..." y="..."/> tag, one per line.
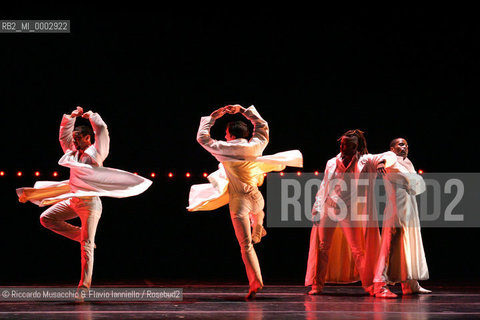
<point x="274" y="302"/>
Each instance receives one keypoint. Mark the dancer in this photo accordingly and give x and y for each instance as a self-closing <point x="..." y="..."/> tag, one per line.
<point x="85" y="151"/>
<point x="343" y="257"/>
<point x="401" y="258"/>
<point x="236" y="182"/>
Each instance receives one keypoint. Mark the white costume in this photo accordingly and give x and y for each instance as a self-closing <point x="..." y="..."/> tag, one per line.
<point x="79" y="196"/>
<point x="402" y="258"/>
<point x="342" y="257"/>
<point x="236" y="182"/>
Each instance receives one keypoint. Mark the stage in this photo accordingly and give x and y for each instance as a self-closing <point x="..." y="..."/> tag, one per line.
<point x="311" y="74"/>
<point x="274" y="302"/>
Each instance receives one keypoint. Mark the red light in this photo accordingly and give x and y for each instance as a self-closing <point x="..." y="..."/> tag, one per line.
<point x="299" y="173"/>
<point x="264" y="174"/>
<point x="316" y="173"/>
<point x="19" y="173"/>
<point x="135" y="173"/>
<point x="37" y="173"/>
<point x="187" y="174"/>
<point x="170" y="175"/>
<point x="282" y="174"/>
<point x="205" y="174"/>
<point x="55" y="174"/>
<point x="153" y="175"/>
<point x="2" y="173"/>
<point x="420" y="171"/>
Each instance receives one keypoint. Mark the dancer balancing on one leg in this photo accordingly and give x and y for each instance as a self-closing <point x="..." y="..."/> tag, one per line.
<point x="401" y="258"/>
<point x="237" y="181"/>
<point x="85" y="150"/>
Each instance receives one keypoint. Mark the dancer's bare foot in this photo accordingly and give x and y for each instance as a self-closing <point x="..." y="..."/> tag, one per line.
<point x="82" y="292"/>
<point x="252" y="293"/>
<point x="423" y="291"/>
<point x="316" y="290"/>
<point x="258" y="233"/>
<point x="385" y="293"/>
<point x="418" y="290"/>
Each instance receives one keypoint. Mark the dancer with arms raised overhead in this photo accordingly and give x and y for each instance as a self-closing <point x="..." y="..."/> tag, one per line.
<point x="85" y="150"/>
<point x="236" y="182"/>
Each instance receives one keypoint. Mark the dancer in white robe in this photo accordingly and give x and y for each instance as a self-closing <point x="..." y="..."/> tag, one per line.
<point x="345" y="254"/>
<point x="401" y="258"/>
<point x="79" y="196"/>
<point x="236" y="182"/>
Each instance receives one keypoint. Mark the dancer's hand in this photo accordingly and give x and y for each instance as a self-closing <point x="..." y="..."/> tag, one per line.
<point x="87" y="114"/>
<point x="77" y="112"/>
<point x="331" y="202"/>
<point x="236" y="108"/>
<point x="381" y="169"/>
<point x="218" y="113"/>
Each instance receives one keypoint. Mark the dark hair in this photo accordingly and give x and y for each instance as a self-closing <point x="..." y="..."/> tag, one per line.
<point x="238" y="129"/>
<point x="85" y="131"/>
<point x="362" y="142"/>
<point x="393" y="142"/>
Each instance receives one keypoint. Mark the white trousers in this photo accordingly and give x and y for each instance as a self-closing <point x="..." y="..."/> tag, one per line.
<point x="389" y="236"/>
<point x="354" y="236"/>
<point x="243" y="208"/>
<point x="89" y="211"/>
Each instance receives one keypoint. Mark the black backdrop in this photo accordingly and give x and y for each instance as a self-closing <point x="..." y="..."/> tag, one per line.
<point x="152" y="75"/>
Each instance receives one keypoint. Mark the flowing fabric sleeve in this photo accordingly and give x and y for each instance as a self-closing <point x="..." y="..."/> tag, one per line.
<point x="389" y="158"/>
<point x="412" y="182"/>
<point x="65" y="135"/>
<point x="260" y="134"/>
<point x="416" y="184"/>
<point x="102" y="137"/>
<point x="257" y="144"/>
<point x="320" y="197"/>
<point x="319" y="200"/>
<point x="204" y="138"/>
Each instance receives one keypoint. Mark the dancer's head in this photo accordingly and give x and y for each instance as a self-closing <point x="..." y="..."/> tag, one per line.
<point x="82" y="137"/>
<point x="353" y="141"/>
<point x="236" y="130"/>
<point x="400" y="147"/>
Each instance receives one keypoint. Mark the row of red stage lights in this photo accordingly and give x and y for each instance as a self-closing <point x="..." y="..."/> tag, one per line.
<point x="188" y="174"/>
<point x="152" y="175"/>
<point x="36" y="174"/>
